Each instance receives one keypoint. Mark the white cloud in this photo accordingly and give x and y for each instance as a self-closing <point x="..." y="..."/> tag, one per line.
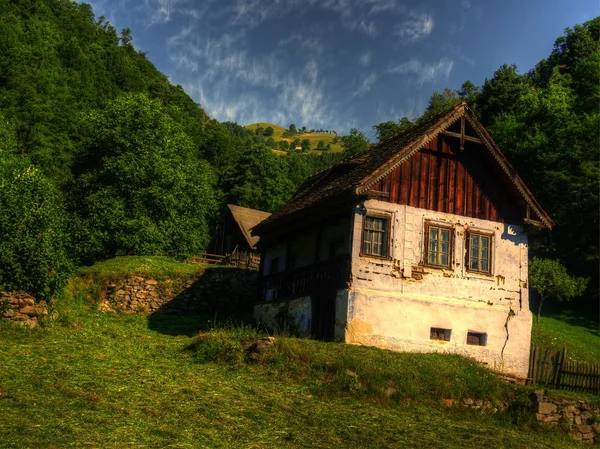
<point x="424" y="72"/>
<point x="365" y="85"/>
<point x="365" y="59"/>
<point x="417" y="27"/>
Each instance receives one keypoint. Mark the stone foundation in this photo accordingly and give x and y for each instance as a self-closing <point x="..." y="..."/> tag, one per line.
<point x="213" y="290"/>
<point x="21" y="308"/>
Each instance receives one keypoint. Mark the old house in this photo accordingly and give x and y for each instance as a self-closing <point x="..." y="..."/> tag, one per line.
<point x="419" y="244"/>
<point x="234" y="237"/>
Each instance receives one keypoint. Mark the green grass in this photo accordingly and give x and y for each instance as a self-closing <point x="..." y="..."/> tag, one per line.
<point x="161" y="267"/>
<point x="314" y="138"/>
<point x="580" y="335"/>
<point x="89" y="379"/>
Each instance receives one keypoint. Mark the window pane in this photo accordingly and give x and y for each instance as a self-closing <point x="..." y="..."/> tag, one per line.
<point x="432" y="258"/>
<point x="433" y="234"/>
<point x="484" y="265"/>
<point x="445" y="235"/>
<point x="444" y="259"/>
<point x="485" y="242"/>
<point x="473" y="264"/>
<point x="445" y="247"/>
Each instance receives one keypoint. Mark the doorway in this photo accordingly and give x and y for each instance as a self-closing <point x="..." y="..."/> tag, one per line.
<point x="323" y="315"/>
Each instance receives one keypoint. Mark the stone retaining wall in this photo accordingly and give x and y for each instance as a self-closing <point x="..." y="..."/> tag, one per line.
<point x="212" y="290"/>
<point x="579" y="418"/>
<point x="22" y="308"/>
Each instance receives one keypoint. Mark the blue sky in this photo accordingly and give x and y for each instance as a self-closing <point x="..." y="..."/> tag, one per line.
<point x="336" y="64"/>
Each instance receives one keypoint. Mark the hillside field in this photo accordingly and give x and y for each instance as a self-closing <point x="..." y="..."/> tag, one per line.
<point x="313" y="137"/>
<point x="91" y="379"/>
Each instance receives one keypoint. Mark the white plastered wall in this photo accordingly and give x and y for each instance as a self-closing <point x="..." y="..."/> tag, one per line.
<point x="394" y="303"/>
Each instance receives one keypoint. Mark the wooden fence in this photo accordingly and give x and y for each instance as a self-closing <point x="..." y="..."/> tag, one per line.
<point x="551" y="368"/>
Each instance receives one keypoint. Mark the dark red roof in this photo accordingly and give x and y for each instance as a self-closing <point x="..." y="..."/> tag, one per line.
<point x="357" y="174"/>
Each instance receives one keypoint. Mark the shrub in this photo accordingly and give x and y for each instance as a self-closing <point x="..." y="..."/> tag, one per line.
<point x="32" y="235"/>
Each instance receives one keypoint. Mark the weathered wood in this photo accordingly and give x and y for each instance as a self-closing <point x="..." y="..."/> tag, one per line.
<point x="458" y="135"/>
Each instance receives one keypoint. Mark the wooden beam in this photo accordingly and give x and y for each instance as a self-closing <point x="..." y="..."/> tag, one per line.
<point x="462" y="133"/>
<point x="537" y="223"/>
<point x="468" y="138"/>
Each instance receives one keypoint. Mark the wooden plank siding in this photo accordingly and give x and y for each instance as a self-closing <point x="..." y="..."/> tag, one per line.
<point x="442" y="178"/>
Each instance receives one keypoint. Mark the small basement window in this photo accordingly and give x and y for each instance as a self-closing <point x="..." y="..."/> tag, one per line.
<point x="476" y="338"/>
<point x="375" y="236"/>
<point x="437" y="333"/>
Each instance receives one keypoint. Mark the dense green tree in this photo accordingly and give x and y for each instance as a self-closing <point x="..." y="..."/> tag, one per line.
<point x="385" y="130"/>
<point x="355" y="143"/>
<point x="500" y="94"/>
<point x="259" y="180"/>
<point x="469" y="92"/>
<point x="269" y="131"/>
<point x="439" y="102"/>
<point x="293" y="129"/>
<point x="140" y="188"/>
<point x="305" y="144"/>
<point x="321" y="145"/>
<point x="284" y="145"/>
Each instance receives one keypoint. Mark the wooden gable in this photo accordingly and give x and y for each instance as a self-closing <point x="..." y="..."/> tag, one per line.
<point x="452" y="175"/>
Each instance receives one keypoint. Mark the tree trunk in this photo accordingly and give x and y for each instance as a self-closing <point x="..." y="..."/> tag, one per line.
<point x="540" y="309"/>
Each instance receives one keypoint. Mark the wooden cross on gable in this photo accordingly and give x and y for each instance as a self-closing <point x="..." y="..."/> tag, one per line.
<point x="462" y="136"/>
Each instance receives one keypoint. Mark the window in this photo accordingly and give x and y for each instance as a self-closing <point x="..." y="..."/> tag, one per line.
<point x="375" y="236"/>
<point x="479" y="252"/>
<point x="437" y="333"/>
<point x="476" y="338"/>
<point x="438" y="244"/>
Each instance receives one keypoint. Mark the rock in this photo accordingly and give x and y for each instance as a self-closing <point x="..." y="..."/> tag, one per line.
<point x="572" y="409"/>
<point x="584" y="428"/>
<point x="120" y="292"/>
<point x="596" y="427"/>
<point x="551" y="418"/>
<point x="468" y="401"/>
<point x="576" y="435"/>
<point x="151" y="282"/>
<point x="447" y="402"/>
<point x="33" y="311"/>
<point x="577" y="420"/>
<point x="8" y="313"/>
<point x="545" y="408"/>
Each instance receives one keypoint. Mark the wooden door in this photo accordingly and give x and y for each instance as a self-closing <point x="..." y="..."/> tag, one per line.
<point x="323" y="315"/>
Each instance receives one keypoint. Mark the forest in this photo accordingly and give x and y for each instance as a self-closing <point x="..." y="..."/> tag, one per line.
<point x="100" y="155"/>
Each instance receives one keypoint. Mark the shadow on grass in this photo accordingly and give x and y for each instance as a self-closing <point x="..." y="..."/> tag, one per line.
<point x="218" y="297"/>
<point x="584" y="313"/>
<point x="190" y="325"/>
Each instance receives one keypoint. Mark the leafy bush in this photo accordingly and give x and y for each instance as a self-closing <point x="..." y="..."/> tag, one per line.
<point x="32" y="235"/>
<point x="141" y="189"/>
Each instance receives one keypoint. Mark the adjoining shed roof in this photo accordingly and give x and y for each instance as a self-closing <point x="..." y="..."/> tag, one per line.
<point x="356" y="175"/>
<point x="246" y="219"/>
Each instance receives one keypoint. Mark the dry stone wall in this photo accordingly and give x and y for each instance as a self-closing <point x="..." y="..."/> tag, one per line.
<point x="21" y="308"/>
<point x="581" y="419"/>
<point x="212" y="290"/>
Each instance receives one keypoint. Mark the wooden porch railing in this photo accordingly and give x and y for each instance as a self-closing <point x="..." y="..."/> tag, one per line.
<point x="329" y="274"/>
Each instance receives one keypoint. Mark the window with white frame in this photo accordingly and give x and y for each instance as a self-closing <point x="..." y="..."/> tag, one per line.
<point x="479" y="252"/>
<point x="375" y="240"/>
<point x="438" y="245"/>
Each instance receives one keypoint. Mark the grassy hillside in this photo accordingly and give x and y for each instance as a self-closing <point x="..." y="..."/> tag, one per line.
<point x="560" y="329"/>
<point x="88" y="379"/>
<point x="313" y="137"/>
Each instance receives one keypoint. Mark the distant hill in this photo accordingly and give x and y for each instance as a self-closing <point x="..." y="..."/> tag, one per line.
<point x="278" y="134"/>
